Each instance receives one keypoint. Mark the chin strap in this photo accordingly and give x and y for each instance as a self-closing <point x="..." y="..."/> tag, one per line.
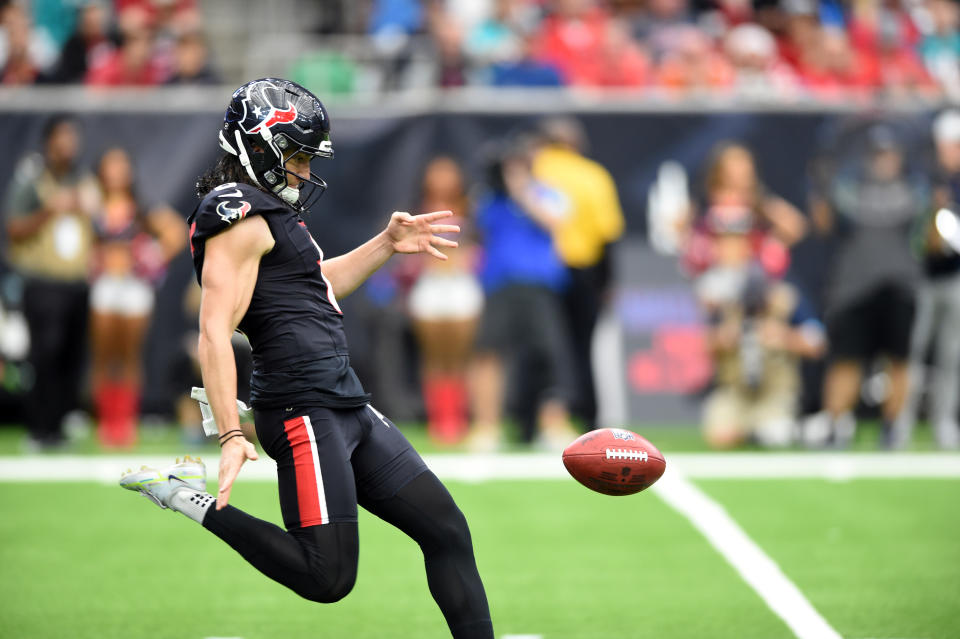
<point x="244" y="158"/>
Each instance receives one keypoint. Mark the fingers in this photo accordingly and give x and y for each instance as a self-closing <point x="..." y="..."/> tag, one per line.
<point x="434" y="252"/>
<point x="223" y="494"/>
<point x="436" y="215"/>
<point x="442" y="241"/>
<point x="444" y="228"/>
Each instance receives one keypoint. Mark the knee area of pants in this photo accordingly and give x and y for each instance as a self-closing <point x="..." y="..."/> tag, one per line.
<point x="330" y="590"/>
<point x="450" y="533"/>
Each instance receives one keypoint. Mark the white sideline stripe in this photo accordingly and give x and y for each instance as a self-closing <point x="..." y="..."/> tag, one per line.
<point x="756" y="567"/>
<point x="522" y="637"/>
<point x="533" y="466"/>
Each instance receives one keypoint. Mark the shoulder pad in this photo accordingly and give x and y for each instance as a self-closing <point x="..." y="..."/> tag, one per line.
<point x="230" y="203"/>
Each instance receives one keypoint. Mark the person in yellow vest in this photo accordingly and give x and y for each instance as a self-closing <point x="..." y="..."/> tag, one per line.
<point x="49" y="237"/>
<point x="594" y="221"/>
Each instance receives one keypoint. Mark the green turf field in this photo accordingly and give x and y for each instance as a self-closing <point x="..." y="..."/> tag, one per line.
<point x="879" y="559"/>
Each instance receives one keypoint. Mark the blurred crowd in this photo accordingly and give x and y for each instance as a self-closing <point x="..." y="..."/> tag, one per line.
<point x="888" y="307"/>
<point x="761" y="49"/>
<point x="502" y="332"/>
<point x="87" y="252"/>
<point x="518" y="299"/>
<point x="104" y="44"/>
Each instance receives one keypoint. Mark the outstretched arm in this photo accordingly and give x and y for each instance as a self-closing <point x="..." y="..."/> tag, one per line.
<point x="404" y="234"/>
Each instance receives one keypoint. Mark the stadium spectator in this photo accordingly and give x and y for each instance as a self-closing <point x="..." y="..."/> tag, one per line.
<point x="658" y="24"/>
<point x="621" y="62"/>
<point x="128" y="260"/>
<point x="389" y="17"/>
<point x="49" y="231"/>
<point x="391" y="24"/>
<point x="572" y="39"/>
<point x="900" y="69"/>
<point x="134" y="63"/>
<point x="526" y="70"/>
<point x="499" y="38"/>
<point x="522" y="320"/>
<point x="593" y="221"/>
<point x="56" y="18"/>
<point x="938" y="302"/>
<point x="445" y="304"/>
<point x="868" y="204"/>
<point x="757" y="69"/>
<point x="88" y="44"/>
<point x="166" y="18"/>
<point x="26" y="53"/>
<point x="884" y="24"/>
<point x="832" y="68"/>
<point x="191" y="61"/>
<point x="758" y="332"/>
<point x="798" y="33"/>
<point x="940" y="47"/>
<point x="448" y="42"/>
<point x="692" y="65"/>
<point x="729" y="13"/>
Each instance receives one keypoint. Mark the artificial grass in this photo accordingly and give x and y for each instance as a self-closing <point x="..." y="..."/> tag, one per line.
<point x="877" y="558"/>
<point x="87" y="560"/>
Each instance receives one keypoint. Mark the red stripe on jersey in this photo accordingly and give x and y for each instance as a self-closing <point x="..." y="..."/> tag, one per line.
<point x="306" y="466"/>
<point x="193" y="229"/>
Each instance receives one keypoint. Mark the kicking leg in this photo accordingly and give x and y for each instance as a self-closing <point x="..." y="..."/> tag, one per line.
<point x="318" y="563"/>
<point x="316" y="556"/>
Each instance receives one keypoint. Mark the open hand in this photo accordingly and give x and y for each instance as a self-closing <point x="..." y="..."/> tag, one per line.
<point x="235" y="452"/>
<point x="419" y="233"/>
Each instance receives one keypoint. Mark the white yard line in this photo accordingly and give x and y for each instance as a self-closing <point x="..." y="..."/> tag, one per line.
<point x="475" y="468"/>
<point x="747" y="558"/>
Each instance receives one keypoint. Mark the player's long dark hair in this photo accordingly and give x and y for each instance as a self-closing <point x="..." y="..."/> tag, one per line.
<point x="225" y="169"/>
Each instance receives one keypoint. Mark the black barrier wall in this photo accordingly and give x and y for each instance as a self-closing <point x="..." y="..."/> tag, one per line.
<point x="377" y="170"/>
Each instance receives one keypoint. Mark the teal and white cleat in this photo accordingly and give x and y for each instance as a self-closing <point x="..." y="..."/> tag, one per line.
<point x="158" y="485"/>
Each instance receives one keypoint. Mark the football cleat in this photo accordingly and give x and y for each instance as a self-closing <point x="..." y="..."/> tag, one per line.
<point x="158" y="485"/>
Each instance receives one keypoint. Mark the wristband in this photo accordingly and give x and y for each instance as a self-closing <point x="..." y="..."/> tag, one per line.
<point x="235" y="430"/>
<point x="229" y="438"/>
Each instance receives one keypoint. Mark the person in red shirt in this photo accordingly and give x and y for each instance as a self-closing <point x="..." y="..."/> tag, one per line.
<point x="622" y="62"/>
<point x="133" y="64"/>
<point x="829" y="66"/>
<point x="572" y="39"/>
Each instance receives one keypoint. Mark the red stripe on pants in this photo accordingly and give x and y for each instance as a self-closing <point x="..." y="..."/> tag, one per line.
<point x="308" y="497"/>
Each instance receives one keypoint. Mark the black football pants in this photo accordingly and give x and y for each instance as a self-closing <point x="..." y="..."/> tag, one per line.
<point x="320" y="562"/>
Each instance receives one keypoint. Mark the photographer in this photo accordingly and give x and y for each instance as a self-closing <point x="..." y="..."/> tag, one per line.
<point x="759" y="330"/>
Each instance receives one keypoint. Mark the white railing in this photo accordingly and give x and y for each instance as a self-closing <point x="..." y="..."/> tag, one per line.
<point x="80" y="99"/>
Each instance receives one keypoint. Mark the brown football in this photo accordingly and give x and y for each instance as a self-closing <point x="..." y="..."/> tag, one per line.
<point x="614" y="461"/>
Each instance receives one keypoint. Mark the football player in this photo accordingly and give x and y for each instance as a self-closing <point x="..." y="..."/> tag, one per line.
<point x="261" y="271"/>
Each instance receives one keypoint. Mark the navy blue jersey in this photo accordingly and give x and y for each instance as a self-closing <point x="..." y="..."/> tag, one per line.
<point x="294" y="324"/>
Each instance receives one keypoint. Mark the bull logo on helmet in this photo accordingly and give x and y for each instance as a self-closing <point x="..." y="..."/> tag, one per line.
<point x="263" y="112"/>
<point x="276" y="116"/>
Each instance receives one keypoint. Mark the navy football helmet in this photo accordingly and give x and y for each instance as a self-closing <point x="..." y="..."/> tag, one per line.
<point x="270" y="120"/>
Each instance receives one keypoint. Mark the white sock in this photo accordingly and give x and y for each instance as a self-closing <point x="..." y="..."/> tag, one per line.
<point x="192" y="503"/>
